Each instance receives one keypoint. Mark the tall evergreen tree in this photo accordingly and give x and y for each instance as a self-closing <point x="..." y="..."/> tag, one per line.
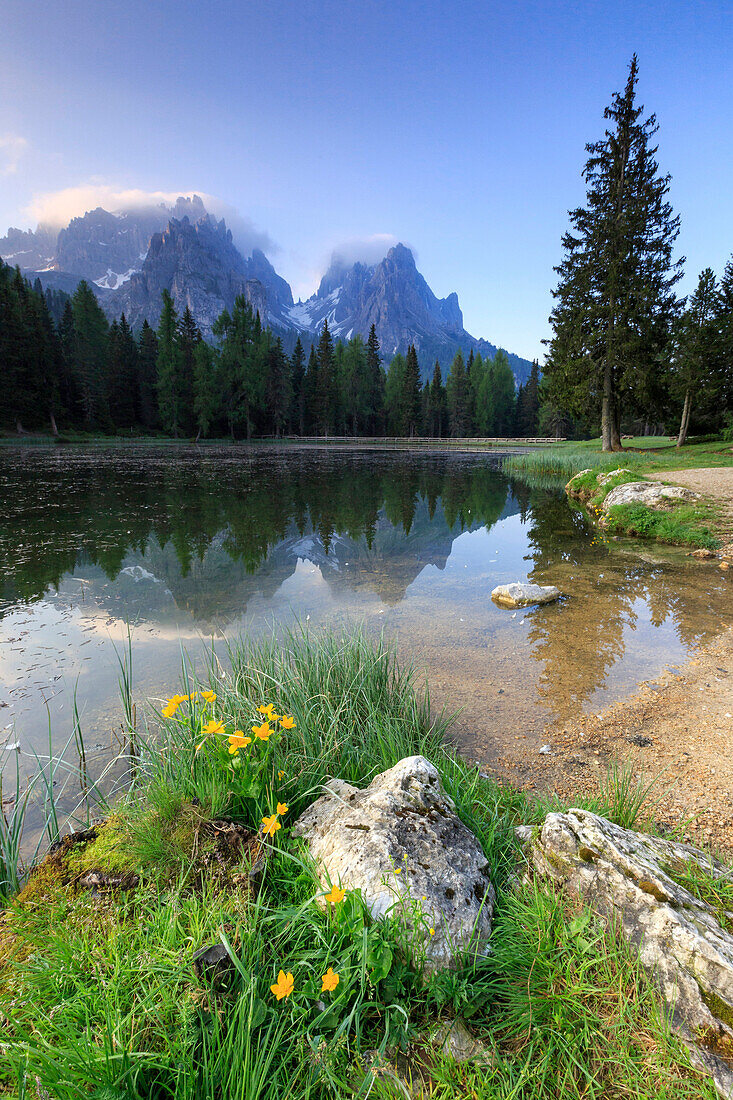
<point x="437" y="406"/>
<point x="278" y="390"/>
<point x="91" y="357"/>
<point x="241" y="366"/>
<point x="147" y="359"/>
<point x="297" y="377"/>
<point x="325" y="394"/>
<point x="170" y="398"/>
<point x="614" y="298"/>
<point x="311" y="392"/>
<point x="459" y="398"/>
<point x="410" y="404"/>
<point x="123" y="375"/>
<point x="188" y="337"/>
<point x="697" y="346"/>
<point x="206" y="387"/>
<point x="375" y="375"/>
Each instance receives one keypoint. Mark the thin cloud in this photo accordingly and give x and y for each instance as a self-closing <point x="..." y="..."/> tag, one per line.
<point x="365" y="250"/>
<point x="12" y="149"/>
<point x="57" y="208"/>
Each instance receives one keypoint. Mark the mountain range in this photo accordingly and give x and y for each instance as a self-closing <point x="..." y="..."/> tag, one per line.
<point x="130" y="257"/>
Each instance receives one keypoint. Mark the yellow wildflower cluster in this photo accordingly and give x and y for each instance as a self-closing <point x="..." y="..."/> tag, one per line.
<point x="175" y="701"/>
<point x="285" y="983"/>
<point x="270" y="825"/>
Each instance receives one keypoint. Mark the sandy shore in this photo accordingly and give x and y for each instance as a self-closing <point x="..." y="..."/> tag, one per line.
<point x="677" y="728"/>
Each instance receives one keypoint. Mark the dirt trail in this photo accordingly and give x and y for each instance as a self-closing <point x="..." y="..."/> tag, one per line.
<point x="678" y="727"/>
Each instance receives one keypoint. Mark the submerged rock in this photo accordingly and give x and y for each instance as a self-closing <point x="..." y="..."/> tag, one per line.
<point x="400" y="843"/>
<point x="649" y="493"/>
<point x="635" y="881"/>
<point x="518" y="594"/>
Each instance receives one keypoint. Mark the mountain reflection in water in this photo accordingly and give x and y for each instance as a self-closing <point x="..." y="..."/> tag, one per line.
<point x="190" y="543"/>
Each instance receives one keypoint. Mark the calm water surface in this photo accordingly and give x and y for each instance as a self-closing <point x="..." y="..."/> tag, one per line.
<point x="190" y="545"/>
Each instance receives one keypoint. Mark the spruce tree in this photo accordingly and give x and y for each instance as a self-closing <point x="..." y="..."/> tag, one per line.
<point x="325" y="391"/>
<point x="438" y="404"/>
<point x="188" y="337"/>
<point x="168" y="369"/>
<point x="697" y="345"/>
<point x="614" y="297"/>
<point x="278" y="390"/>
<point x="410" y="406"/>
<point x="147" y="357"/>
<point x="459" y="397"/>
<point x="375" y="375"/>
<point x="297" y="381"/>
<point x="91" y="357"/>
<point x="311" y="393"/>
<point x="206" y="388"/>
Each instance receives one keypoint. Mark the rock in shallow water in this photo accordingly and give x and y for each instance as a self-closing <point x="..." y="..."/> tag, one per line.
<point x="400" y="842"/>
<point x="630" y="878"/>
<point x="522" y="595"/>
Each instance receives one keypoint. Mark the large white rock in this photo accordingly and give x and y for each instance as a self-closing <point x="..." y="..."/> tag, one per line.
<point x="522" y="595"/>
<point x="649" y="493"/>
<point x="629" y="878"/>
<point x="400" y="842"/>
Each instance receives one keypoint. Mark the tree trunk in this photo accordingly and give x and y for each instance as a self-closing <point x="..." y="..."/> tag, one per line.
<point x="54" y="429"/>
<point x="607" y="410"/>
<point x="685" y="422"/>
<point x="616" y="432"/>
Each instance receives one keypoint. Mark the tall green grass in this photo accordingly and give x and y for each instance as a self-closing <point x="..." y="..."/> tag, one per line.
<point x="98" y="996"/>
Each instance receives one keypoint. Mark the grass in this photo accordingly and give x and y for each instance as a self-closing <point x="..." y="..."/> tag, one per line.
<point x="644" y="454"/>
<point x="681" y="525"/>
<point x="98" y="996"/>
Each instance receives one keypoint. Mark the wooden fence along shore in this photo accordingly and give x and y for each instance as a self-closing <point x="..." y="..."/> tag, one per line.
<point x="424" y="441"/>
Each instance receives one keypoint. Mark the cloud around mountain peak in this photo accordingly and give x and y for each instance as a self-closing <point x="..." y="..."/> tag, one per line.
<point x="57" y="208"/>
<point x="366" y="250"/>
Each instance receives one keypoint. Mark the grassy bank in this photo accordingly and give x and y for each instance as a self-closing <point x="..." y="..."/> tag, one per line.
<point x="98" y="994"/>
<point x="645" y="454"/>
<point x="691" y="525"/>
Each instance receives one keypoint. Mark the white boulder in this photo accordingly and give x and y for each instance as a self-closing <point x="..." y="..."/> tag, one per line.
<point x="634" y="881"/>
<point x="400" y="843"/>
<point x="650" y="493"/>
<point x="522" y="595"/>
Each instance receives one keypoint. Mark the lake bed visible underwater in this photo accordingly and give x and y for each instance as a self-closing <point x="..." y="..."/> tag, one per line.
<point x="191" y="546"/>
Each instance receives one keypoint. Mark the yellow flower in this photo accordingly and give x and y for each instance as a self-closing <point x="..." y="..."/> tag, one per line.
<point x="329" y="981"/>
<point x="172" y="705"/>
<point x="283" y="987"/>
<point x="270" y="825"/>
<point x="238" y="741"/>
<point x="263" y="732"/>
<point x="268" y="710"/>
<point x="336" y="895"/>
<point x="432" y="931"/>
<point x="209" y="696"/>
<point x="282" y="808"/>
<point x="287" y="722"/>
<point x="214" y="726"/>
<point x="398" y="870"/>
<point x="280" y="775"/>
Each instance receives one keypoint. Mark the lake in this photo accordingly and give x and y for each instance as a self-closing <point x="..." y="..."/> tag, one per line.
<point x="190" y="546"/>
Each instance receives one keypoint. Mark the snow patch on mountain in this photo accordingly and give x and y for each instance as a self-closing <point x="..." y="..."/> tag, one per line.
<point x="112" y="280"/>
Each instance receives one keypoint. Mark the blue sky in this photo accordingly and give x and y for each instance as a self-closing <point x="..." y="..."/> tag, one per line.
<point x="457" y="127"/>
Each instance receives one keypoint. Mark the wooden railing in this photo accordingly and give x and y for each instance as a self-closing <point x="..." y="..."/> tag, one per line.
<point x="425" y="441"/>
